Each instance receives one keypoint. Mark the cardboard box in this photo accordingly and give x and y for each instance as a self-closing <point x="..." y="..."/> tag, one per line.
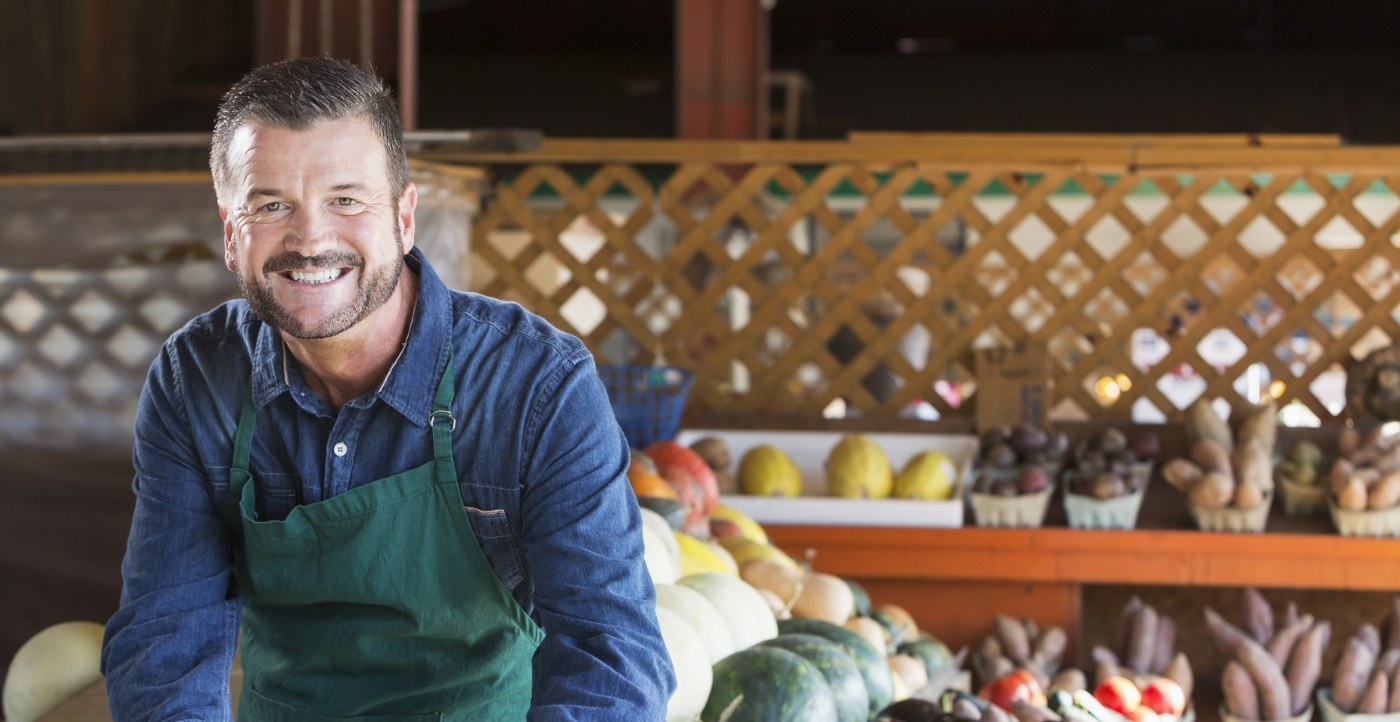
<point x="1013" y="386"/>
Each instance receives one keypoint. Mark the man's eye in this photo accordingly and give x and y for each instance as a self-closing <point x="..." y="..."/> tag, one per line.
<point x="272" y="207"/>
<point x="345" y="201"/>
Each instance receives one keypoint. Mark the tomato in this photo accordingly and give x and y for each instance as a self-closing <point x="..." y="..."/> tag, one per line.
<point x="1015" y="685"/>
<point x="1119" y="694"/>
<point x="1164" y="696"/>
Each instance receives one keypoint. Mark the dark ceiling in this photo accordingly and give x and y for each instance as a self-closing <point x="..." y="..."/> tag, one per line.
<point x="577" y="67"/>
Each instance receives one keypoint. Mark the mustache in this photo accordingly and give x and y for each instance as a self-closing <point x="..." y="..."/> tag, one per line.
<point x="329" y="259"/>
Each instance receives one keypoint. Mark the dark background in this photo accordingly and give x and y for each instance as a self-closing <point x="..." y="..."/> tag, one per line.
<point x="607" y="68"/>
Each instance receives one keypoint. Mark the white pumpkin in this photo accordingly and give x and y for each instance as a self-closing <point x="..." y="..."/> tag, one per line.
<point x="694" y="675"/>
<point x="701" y="615"/>
<point x="52" y="666"/>
<point x="749" y="618"/>
<point x="660" y="566"/>
<point x="664" y="534"/>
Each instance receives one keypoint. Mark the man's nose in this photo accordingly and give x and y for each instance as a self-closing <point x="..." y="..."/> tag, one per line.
<point x="310" y="232"/>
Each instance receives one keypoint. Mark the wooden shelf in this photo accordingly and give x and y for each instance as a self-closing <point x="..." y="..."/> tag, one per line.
<point x="1166" y="550"/>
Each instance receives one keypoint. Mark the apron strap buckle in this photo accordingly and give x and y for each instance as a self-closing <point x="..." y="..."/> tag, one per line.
<point x="433" y="417"/>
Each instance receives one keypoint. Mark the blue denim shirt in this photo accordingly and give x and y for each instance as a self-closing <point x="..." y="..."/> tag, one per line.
<point x="542" y="465"/>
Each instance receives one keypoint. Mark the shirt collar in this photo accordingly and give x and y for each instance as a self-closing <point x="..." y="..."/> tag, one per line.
<point x="412" y="380"/>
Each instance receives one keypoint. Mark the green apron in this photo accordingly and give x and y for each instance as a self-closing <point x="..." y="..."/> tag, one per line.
<point x="378" y="603"/>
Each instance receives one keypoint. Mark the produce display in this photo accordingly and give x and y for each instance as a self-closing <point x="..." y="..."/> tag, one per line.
<point x="1227" y="476"/>
<point x="755" y="635"/>
<point x="1366" y="475"/>
<point x="1273" y="668"/>
<point x="1021" y="459"/>
<point x="800" y="643"/>
<point x="1301" y="475"/>
<point x="1145" y="649"/>
<point x="1366" y="673"/>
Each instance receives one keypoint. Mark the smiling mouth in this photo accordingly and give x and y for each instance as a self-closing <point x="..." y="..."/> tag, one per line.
<point x="315" y="277"/>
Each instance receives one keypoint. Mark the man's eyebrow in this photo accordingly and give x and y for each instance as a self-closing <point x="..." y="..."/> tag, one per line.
<point x="263" y="192"/>
<point x="349" y="187"/>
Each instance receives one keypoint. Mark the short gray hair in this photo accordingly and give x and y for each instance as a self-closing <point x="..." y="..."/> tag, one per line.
<point x="296" y="94"/>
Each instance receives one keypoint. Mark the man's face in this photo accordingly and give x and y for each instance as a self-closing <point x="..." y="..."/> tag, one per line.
<point x="312" y="231"/>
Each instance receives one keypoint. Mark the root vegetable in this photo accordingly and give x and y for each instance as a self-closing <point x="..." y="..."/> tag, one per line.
<point x="1353" y="495"/>
<point x="1305" y="665"/>
<point x="1182" y="474"/>
<point x="1351" y="673"/>
<point x="1141" y="639"/>
<point x="1179" y="670"/>
<point x="1213" y="491"/>
<point x="1211" y="455"/>
<point x="1274" y="701"/>
<point x="1368" y="633"/>
<point x="1222" y="633"/>
<point x="1241" y="696"/>
<point x="1259" y="617"/>
<point x="1281" y="646"/>
<point x="1202" y="422"/>
<point x="1015" y="643"/>
<point x="1377" y="694"/>
<point x="1165" y="645"/>
<point x="1050" y="646"/>
<point x="1386" y="492"/>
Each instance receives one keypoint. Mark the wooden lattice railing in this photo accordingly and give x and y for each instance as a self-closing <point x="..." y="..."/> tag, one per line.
<point x="788" y="276"/>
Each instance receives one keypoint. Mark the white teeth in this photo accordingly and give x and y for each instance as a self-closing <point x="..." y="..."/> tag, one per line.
<point x="316" y="277"/>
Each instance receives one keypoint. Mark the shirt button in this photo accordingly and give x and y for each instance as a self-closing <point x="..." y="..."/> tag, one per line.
<point x="341" y="448"/>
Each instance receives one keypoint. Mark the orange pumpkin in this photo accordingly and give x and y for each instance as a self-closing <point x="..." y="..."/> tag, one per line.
<point x="645" y="483"/>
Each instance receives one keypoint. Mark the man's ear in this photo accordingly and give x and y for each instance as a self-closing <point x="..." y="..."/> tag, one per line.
<point x="408" y="204"/>
<point x="230" y="260"/>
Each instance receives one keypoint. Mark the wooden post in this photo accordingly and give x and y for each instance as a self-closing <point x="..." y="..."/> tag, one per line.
<point x="721" y="69"/>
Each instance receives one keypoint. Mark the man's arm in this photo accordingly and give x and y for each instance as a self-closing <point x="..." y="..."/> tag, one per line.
<point x="168" y="649"/>
<point x="603" y="657"/>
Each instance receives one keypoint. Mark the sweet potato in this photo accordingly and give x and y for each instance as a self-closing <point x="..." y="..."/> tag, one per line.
<point x="1213" y="491"/>
<point x="1353" y="495"/>
<point x="1348" y="441"/>
<point x="1025" y="711"/>
<point x="1351" y="673"/>
<point x="1125" y="623"/>
<point x="1241" y="696"/>
<point x="1281" y="646"/>
<point x="1260" y="426"/>
<point x="1254" y="467"/>
<point x="1182" y="474"/>
<point x="1274" y="702"/>
<point x="1341" y="473"/>
<point x="1393" y="704"/>
<point x="1015" y="643"/>
<point x="1165" y="645"/>
<point x="1222" y="633"/>
<point x="1259" y="617"/>
<point x="1179" y="670"/>
<point x="1290" y="612"/>
<point x="1387" y="662"/>
<point x="1201" y="422"/>
<point x="1211" y="455"/>
<point x="1377" y="694"/>
<point x="1368" y="633"/>
<point x="1393" y="630"/>
<point x="1069" y="680"/>
<point x="1142" y="638"/>
<point x="1305" y="664"/>
<point x="1050" y="646"/>
<point x="1385" y="493"/>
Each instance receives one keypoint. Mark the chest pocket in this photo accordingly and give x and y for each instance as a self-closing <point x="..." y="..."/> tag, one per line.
<point x="493" y="532"/>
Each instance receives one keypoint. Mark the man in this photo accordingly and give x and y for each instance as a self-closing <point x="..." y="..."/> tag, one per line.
<point x="414" y="498"/>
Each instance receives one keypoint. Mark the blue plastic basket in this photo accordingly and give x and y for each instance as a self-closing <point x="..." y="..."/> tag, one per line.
<point x="647" y="400"/>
